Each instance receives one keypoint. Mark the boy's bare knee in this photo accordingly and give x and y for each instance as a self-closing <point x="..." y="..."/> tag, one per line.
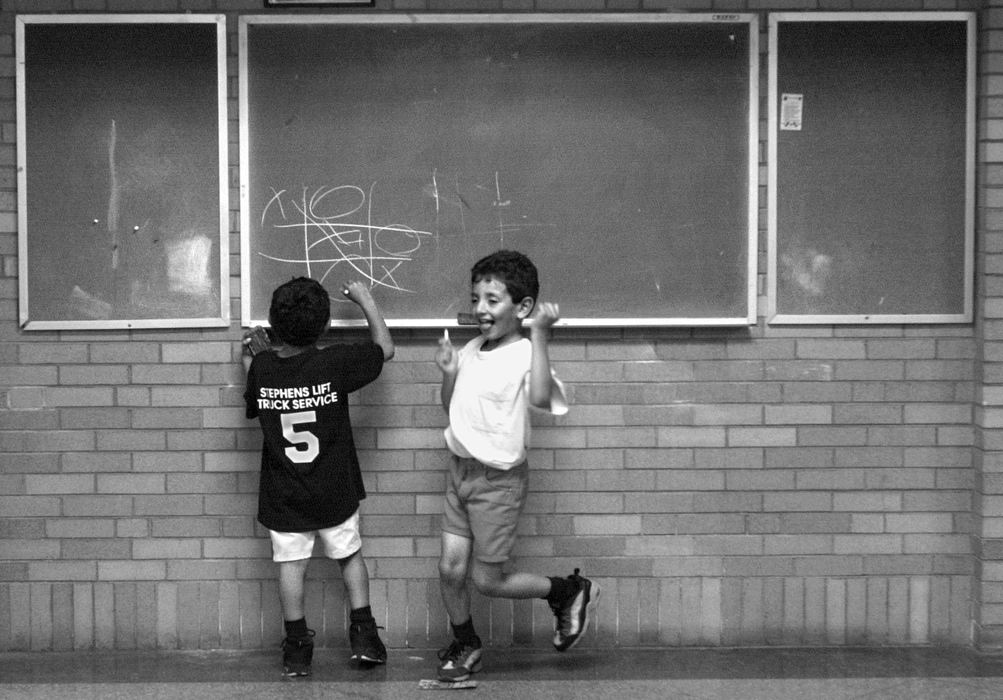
<point x="451" y="571"/>
<point x="354" y="556"/>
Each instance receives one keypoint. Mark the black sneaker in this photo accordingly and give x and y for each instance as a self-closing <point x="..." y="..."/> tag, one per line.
<point x="573" y="613"/>
<point x="459" y="660"/>
<point x="297" y="655"/>
<point x="367" y="647"/>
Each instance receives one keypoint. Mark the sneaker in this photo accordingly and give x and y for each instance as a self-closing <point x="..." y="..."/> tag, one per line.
<point x="459" y="661"/>
<point x="367" y="647"/>
<point x="573" y="614"/>
<point x="297" y="655"/>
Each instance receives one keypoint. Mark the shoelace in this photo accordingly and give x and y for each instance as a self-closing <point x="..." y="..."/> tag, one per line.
<point x="298" y="641"/>
<point x="365" y="627"/>
<point x="453" y="652"/>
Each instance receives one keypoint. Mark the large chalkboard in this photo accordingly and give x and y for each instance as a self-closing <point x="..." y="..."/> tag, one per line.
<point x="618" y="151"/>
<point x="872" y="133"/>
<point x="122" y="188"/>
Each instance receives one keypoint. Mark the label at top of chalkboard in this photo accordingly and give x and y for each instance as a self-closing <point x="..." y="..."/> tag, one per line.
<point x="726" y="18"/>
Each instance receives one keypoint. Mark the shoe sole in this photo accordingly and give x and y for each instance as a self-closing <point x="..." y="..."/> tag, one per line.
<point x="363" y="659"/>
<point x="594" y="592"/>
<point x="473" y="669"/>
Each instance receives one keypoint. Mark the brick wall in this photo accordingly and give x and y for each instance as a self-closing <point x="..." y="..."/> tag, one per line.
<point x="987" y="535"/>
<point x="798" y="485"/>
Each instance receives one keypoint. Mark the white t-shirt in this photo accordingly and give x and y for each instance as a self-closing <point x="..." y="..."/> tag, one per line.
<point x="489" y="409"/>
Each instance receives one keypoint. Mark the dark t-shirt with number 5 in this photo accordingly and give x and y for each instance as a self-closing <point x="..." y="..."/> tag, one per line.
<point x="310" y="476"/>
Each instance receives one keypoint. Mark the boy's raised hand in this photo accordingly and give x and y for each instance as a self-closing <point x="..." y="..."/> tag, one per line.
<point x="546" y="315"/>
<point x="357" y="291"/>
<point x="446" y="356"/>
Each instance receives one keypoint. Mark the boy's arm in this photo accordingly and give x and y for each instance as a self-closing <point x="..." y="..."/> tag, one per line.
<point x="541" y="381"/>
<point x="446" y="392"/>
<point x="378" y="331"/>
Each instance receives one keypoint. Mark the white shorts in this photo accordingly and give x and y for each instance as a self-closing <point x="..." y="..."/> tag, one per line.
<point x="339" y="541"/>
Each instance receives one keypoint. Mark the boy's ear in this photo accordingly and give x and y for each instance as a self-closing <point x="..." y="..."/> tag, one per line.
<point x="525" y="307"/>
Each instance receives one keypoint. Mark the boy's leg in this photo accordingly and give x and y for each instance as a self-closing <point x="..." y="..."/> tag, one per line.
<point x="343" y="543"/>
<point x="367" y="647"/>
<point x="355" y="574"/>
<point x="494" y="512"/>
<point x="297" y="647"/>
<point x="292" y="575"/>
<point x="463" y="655"/>
<point x="453" y="564"/>
<point x="491" y="579"/>
<point x="571" y="599"/>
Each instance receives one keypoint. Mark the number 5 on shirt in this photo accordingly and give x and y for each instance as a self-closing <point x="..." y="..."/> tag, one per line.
<point x="309" y="441"/>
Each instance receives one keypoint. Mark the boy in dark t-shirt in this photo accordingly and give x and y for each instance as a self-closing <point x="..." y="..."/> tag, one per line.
<point x="311" y="483"/>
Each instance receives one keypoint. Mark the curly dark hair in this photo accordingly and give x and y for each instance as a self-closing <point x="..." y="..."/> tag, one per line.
<point x="300" y="311"/>
<point x="514" y="269"/>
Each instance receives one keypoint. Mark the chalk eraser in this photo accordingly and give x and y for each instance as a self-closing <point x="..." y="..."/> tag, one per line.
<point x="466" y="319"/>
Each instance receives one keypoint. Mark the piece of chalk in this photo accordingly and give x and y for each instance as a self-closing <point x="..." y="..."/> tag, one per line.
<point x="466" y="319"/>
<point x="445" y="334"/>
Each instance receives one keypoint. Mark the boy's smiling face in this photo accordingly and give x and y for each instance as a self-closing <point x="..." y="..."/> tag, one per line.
<point x="499" y="317"/>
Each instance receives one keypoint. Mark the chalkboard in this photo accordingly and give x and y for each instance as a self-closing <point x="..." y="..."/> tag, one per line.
<point x="872" y="133"/>
<point x="617" y="151"/>
<point x="122" y="188"/>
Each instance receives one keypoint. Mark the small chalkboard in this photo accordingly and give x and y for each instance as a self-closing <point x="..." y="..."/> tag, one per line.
<point x="122" y="188"/>
<point x="618" y="151"/>
<point x="871" y="153"/>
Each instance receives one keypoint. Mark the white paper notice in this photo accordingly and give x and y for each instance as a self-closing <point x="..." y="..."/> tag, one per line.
<point x="791" y="106"/>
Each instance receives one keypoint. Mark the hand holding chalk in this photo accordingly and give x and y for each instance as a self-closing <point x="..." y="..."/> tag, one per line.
<point x="357" y="292"/>
<point x="445" y="356"/>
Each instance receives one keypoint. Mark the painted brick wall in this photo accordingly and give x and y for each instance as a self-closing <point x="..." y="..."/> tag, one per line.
<point x="988" y="453"/>
<point x="794" y="486"/>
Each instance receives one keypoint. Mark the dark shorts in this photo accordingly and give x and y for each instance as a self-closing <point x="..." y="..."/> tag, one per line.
<point x="483" y="504"/>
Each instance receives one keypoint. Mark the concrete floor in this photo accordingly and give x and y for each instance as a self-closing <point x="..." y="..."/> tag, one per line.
<point x="516" y="674"/>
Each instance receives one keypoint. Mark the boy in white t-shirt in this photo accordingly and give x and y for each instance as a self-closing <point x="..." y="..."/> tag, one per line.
<point x="488" y="387"/>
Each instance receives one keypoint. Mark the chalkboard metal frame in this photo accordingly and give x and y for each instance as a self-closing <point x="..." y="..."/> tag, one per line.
<point x="318" y="3"/>
<point x="184" y="255"/>
<point x="250" y="317"/>
<point x="778" y="315"/>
